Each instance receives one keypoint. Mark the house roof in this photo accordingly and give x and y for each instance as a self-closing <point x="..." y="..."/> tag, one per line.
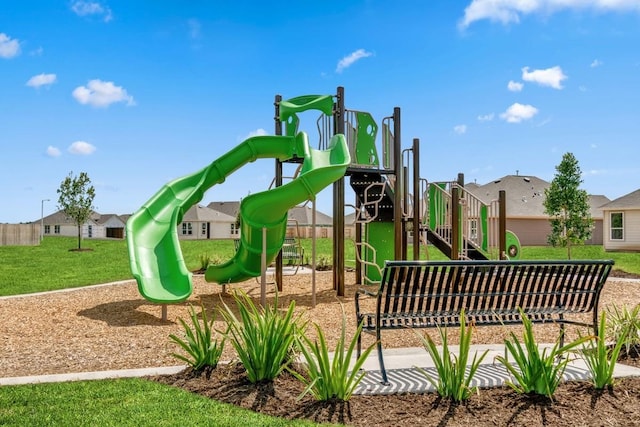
<point x="525" y="196"/>
<point x="304" y="216"/>
<point x="628" y="201"/>
<point x="199" y="213"/>
<point x="61" y="218"/>
<point x="228" y="208"/>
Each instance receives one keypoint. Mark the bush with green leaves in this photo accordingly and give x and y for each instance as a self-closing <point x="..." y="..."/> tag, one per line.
<point x="329" y="378"/>
<point x="201" y="343"/>
<point x="263" y="337"/>
<point x="537" y="372"/>
<point x="624" y="323"/>
<point x="454" y="380"/>
<point x="600" y="357"/>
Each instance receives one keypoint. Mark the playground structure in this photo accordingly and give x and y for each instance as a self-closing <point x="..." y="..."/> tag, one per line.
<point x="393" y="204"/>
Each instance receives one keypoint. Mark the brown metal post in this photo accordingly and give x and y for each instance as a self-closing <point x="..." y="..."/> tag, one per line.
<point x="502" y="224"/>
<point x="455" y="222"/>
<point x="405" y="209"/>
<point x="338" y="203"/>
<point x="397" y="170"/>
<point x="278" y="183"/>
<point x="358" y="236"/>
<point x="416" y="198"/>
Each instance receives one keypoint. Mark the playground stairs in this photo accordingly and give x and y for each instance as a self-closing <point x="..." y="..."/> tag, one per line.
<point x="469" y="249"/>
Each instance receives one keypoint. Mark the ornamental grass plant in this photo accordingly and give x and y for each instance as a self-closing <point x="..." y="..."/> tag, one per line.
<point x="263" y="337"/>
<point x="454" y="380"/>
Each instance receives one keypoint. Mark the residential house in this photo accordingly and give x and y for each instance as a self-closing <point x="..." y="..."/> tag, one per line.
<point x="621" y="218"/>
<point x="300" y="219"/>
<point x="97" y="226"/>
<point x="525" y="210"/>
<point x="201" y="222"/>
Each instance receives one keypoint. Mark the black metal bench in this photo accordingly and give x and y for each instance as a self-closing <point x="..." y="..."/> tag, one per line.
<point x="427" y="294"/>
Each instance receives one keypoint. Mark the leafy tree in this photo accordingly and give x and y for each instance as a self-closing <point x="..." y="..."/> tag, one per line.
<point x="568" y="206"/>
<point x="76" y="200"/>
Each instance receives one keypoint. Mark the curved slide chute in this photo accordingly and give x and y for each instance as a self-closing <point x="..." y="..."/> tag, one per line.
<point x="154" y="249"/>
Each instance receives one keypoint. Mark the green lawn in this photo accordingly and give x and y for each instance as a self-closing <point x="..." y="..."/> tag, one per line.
<point x="122" y="402"/>
<point x="52" y="265"/>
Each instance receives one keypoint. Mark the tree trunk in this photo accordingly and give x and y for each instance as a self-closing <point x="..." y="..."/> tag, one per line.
<point x="79" y="237"/>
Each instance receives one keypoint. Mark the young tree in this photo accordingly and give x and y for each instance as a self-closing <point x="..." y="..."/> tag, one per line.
<point x="568" y="206"/>
<point x="76" y="200"/>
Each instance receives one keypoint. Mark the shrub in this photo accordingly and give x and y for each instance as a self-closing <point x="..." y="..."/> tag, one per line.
<point x="537" y="372"/>
<point x="263" y="337"/>
<point x="600" y="358"/>
<point x="624" y="323"/>
<point x="329" y="379"/>
<point x="199" y="344"/>
<point x="453" y="378"/>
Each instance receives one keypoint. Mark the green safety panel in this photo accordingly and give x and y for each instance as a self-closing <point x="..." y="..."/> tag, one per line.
<point x="513" y="245"/>
<point x="366" y="153"/>
<point x="380" y="235"/>
<point x="290" y="107"/>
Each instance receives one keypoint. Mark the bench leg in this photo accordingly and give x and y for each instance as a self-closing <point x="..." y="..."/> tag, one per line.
<point x="383" y="371"/>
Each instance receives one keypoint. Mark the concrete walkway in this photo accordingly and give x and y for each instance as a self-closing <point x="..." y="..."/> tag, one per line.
<point x="401" y="370"/>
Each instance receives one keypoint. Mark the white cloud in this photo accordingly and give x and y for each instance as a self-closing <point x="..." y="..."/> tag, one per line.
<point x="41" y="80"/>
<point x="257" y="132"/>
<point x="101" y="94"/>
<point x="460" y="129"/>
<point x="486" y="117"/>
<point x="88" y="8"/>
<point x="53" y="151"/>
<point x="82" y="148"/>
<point x="519" y="112"/>
<point x="510" y="11"/>
<point x="514" y="86"/>
<point x="195" y="28"/>
<point x="596" y="63"/>
<point x="551" y="77"/>
<point x="350" y="59"/>
<point x="8" y="47"/>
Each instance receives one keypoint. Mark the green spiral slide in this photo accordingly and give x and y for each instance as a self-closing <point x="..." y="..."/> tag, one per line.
<point x="152" y="239"/>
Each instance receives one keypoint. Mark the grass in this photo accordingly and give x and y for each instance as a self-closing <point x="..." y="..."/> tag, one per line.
<point x="122" y="402"/>
<point x="51" y="266"/>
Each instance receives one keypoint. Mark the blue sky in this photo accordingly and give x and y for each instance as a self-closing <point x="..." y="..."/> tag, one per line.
<point x="137" y="93"/>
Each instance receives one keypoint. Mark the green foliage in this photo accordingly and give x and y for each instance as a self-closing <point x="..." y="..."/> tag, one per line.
<point x="454" y="381"/>
<point x="568" y="206"/>
<point x="262" y="337"/>
<point x="199" y="343"/>
<point x="600" y="358"/>
<point x="538" y="373"/>
<point x="624" y="324"/>
<point x="326" y="378"/>
<point x="75" y="198"/>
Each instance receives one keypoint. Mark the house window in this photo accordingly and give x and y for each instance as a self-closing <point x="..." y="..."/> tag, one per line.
<point x="56" y="229"/>
<point x="187" y="228"/>
<point x="204" y="228"/>
<point x="234" y="229"/>
<point x="90" y="231"/>
<point x="47" y="229"/>
<point x="617" y="226"/>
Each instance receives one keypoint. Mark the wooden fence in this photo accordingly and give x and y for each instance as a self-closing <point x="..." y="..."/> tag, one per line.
<point x="19" y="234"/>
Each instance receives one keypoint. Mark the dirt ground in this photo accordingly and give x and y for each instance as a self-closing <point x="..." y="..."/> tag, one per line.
<point x="113" y="327"/>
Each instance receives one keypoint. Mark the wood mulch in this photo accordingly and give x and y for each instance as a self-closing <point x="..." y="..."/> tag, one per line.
<point x="113" y="327"/>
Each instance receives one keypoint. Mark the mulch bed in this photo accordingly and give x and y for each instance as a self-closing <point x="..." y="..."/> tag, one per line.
<point x="573" y="404"/>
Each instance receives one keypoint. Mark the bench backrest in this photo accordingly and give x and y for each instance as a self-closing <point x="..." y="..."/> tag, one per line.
<point x="445" y="287"/>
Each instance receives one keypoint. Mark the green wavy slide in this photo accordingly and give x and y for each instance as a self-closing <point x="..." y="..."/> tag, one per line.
<point x="155" y="256"/>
